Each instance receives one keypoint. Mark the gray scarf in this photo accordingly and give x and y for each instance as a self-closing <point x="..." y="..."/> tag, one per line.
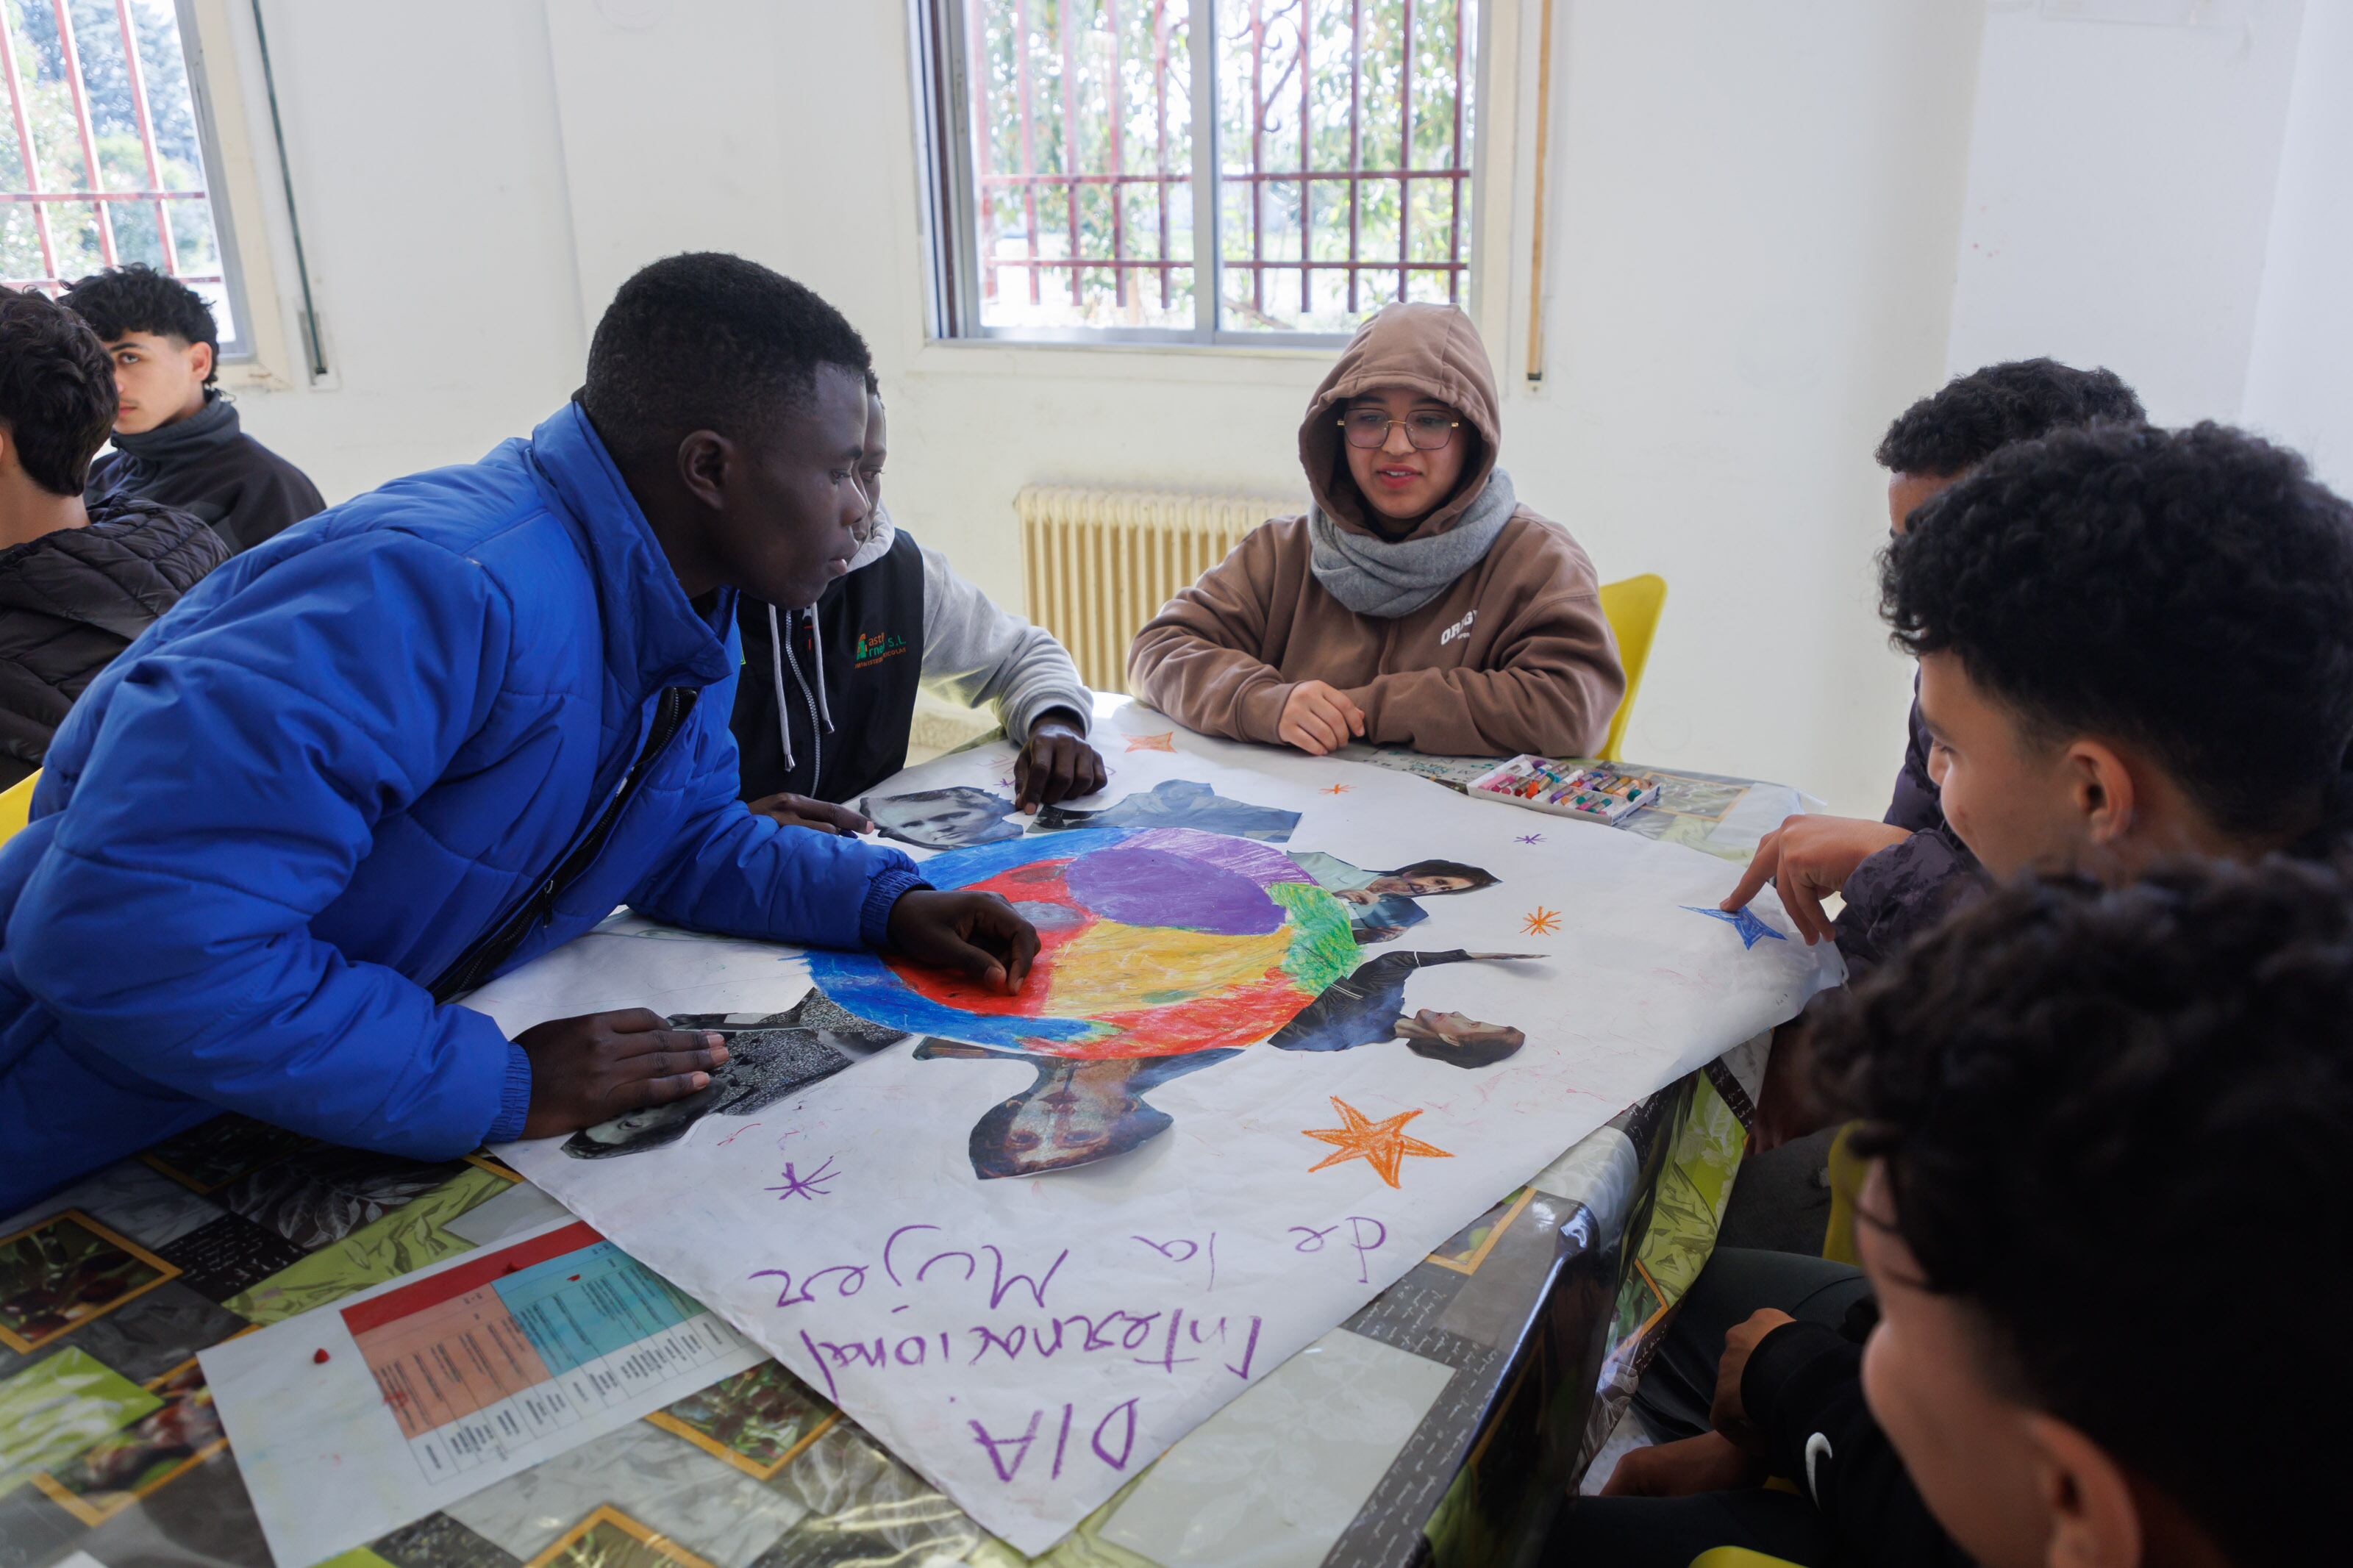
<point x="1377" y="578"/>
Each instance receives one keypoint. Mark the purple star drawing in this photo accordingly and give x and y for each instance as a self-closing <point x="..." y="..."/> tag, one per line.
<point x="811" y="1186"/>
<point x="1752" y="929"/>
<point x="1530" y="838"/>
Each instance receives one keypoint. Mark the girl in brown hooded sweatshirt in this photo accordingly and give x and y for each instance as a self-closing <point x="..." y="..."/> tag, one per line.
<point x="1416" y="603"/>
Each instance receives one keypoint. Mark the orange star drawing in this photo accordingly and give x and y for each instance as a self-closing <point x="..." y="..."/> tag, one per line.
<point x="1543" y="922"/>
<point x="1381" y="1144"/>
<point x="1164" y="742"/>
<point x="1336" y="789"/>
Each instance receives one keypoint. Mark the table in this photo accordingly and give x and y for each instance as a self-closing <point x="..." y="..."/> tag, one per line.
<point x="1537" y="1318"/>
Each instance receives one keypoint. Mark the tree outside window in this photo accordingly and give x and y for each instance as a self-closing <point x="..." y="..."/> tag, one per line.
<point x="1076" y="198"/>
<point x="102" y="156"/>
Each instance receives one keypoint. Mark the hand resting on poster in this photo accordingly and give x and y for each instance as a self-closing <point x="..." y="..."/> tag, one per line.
<point x="1056" y="764"/>
<point x="591" y="1069"/>
<point x="1319" y="718"/>
<point x="976" y="934"/>
<point x="587" y="1069"/>
<point x="821" y="815"/>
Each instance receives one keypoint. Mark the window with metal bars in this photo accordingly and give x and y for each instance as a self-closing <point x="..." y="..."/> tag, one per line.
<point x="1199" y="171"/>
<point x="104" y="152"/>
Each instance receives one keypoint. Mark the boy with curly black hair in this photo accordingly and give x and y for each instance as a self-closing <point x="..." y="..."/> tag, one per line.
<point x="1896" y="874"/>
<point x="176" y="440"/>
<point x="2134" y="644"/>
<point x="2067" y="1093"/>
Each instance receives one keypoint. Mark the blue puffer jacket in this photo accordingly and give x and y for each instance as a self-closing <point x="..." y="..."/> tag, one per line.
<point x="342" y="759"/>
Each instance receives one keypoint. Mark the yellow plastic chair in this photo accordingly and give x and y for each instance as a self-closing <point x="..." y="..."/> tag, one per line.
<point x="1737" y="1557"/>
<point x="1633" y="607"/>
<point x="1847" y="1171"/>
<point x="16" y="807"/>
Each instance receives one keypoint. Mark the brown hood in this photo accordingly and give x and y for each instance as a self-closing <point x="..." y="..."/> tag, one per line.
<point x="1434" y="350"/>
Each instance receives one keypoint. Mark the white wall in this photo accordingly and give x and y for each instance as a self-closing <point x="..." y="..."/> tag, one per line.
<point x="2120" y="194"/>
<point x="1757" y="221"/>
<point x="423" y="144"/>
<point x="1754" y="219"/>
<point x="2300" y="375"/>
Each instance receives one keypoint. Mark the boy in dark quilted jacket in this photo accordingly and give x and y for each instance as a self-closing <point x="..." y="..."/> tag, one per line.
<point x="77" y="582"/>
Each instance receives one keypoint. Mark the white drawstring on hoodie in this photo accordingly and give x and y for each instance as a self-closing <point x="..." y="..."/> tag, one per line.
<point x="817" y="642"/>
<point x="778" y="652"/>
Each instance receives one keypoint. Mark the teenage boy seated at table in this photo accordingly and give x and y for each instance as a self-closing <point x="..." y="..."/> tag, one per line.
<point x="1416" y="603"/>
<point x="1896" y="874"/>
<point x="77" y="580"/>
<point x="2134" y="644"/>
<point x="2088" y="1111"/>
<point x="898" y="621"/>
<point x="176" y="440"/>
<point x="385" y="757"/>
<point x="2189" y="1076"/>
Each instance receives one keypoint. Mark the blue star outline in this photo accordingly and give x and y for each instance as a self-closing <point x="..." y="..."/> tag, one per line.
<point x="1752" y="929"/>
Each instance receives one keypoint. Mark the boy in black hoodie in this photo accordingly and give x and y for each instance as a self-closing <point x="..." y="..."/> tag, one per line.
<point x="176" y="440"/>
<point x="78" y="581"/>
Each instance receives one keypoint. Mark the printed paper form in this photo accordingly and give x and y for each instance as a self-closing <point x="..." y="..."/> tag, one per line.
<point x="354" y="1419"/>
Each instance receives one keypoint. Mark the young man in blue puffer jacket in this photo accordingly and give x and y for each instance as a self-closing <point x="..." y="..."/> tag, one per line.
<point x="434" y="733"/>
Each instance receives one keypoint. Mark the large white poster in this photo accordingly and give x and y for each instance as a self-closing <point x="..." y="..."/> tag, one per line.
<point x="1296" y="1022"/>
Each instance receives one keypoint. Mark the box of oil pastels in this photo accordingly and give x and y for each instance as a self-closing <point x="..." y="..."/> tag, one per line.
<point x="1598" y="793"/>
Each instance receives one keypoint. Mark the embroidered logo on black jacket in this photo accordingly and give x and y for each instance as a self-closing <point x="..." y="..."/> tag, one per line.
<point x="873" y="647"/>
<point x="867" y="620"/>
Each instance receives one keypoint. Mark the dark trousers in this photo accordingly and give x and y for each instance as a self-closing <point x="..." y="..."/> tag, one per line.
<point x="1669" y="1531"/>
<point x="1673" y="1399"/>
<point x="1680" y="1385"/>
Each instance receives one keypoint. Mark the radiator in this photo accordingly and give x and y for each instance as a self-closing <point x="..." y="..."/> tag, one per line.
<point x="1098" y="563"/>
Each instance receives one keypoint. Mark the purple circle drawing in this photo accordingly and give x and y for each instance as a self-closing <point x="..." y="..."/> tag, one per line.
<point x="1152" y="887"/>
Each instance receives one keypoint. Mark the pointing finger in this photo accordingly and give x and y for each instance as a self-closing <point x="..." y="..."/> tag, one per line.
<point x="1760" y="872"/>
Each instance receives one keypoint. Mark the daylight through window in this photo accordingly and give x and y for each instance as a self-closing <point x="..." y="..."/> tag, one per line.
<point x="1079" y="197"/>
<point x="101" y="160"/>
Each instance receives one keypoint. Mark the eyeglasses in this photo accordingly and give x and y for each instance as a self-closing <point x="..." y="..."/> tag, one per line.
<point x="1368" y="429"/>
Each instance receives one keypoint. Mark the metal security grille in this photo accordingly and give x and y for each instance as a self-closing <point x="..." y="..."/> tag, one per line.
<point x="101" y="162"/>
<point x="1093" y="158"/>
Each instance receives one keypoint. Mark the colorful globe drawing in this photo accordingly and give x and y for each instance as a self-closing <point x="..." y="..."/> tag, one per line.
<point x="1152" y="942"/>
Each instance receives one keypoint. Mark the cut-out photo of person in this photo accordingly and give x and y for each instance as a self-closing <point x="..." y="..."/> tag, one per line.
<point x="1077" y="1112"/>
<point x="1368" y="1009"/>
<point x="769" y="1055"/>
<point x="1179" y="802"/>
<point x="952" y="818"/>
<point x="1382" y="904"/>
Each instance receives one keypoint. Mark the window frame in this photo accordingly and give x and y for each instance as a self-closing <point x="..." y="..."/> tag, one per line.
<point x="247" y="353"/>
<point x="251" y="194"/>
<point x="952" y="272"/>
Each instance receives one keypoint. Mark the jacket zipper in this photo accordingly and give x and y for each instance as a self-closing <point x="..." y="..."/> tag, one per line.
<point x="537" y="906"/>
